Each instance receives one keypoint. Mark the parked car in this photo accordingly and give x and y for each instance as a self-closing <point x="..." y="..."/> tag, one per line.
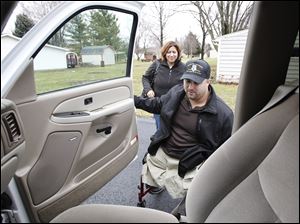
<point x="63" y="136"/>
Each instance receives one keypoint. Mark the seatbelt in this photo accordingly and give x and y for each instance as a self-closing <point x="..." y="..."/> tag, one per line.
<point x="280" y="94"/>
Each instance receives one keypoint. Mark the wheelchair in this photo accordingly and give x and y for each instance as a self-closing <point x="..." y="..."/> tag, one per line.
<point x="144" y="189"/>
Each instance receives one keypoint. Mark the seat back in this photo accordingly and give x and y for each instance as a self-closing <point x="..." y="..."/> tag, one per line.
<point x="254" y="176"/>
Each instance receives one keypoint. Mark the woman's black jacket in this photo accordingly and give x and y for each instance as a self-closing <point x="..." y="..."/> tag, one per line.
<point x="160" y="78"/>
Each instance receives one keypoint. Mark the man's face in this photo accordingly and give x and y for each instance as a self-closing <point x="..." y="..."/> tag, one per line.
<point x="195" y="91"/>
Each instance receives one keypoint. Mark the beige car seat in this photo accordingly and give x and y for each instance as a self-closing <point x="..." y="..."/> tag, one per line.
<point x="252" y="177"/>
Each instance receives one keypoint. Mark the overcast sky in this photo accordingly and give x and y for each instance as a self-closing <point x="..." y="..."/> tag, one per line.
<point x="178" y="25"/>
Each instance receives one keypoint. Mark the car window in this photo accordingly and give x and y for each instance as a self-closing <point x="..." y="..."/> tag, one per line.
<point x="91" y="47"/>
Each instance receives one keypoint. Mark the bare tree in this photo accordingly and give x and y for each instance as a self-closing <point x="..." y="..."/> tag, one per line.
<point x="191" y="45"/>
<point x="223" y="17"/>
<point x="36" y="10"/>
<point x="198" y="15"/>
<point x="161" y="11"/>
<point x="137" y="45"/>
<point x="143" y="38"/>
<point x="232" y="16"/>
<point x="196" y="12"/>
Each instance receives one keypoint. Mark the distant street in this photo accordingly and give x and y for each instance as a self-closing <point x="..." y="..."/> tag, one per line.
<point x="122" y="190"/>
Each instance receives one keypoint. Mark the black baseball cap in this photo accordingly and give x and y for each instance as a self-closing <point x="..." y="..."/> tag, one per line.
<point x="196" y="70"/>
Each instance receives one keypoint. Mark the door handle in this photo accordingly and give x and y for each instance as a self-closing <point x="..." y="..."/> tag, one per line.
<point x="88" y="101"/>
<point x="106" y="130"/>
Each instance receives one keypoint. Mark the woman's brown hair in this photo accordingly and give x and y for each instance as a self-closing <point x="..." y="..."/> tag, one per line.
<point x="166" y="47"/>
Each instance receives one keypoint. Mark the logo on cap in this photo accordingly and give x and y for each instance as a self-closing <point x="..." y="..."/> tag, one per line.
<point x="195" y="68"/>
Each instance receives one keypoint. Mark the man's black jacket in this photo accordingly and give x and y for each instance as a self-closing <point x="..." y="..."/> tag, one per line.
<point x="213" y="129"/>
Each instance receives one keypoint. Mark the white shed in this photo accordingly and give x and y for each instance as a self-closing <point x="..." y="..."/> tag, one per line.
<point x="96" y="54"/>
<point x="50" y="57"/>
<point x="230" y="56"/>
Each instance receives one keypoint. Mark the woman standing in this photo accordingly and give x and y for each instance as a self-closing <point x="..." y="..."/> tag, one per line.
<point x="163" y="74"/>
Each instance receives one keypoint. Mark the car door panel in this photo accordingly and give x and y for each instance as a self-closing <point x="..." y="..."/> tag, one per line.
<point x="12" y="141"/>
<point x="18" y="94"/>
<point x="77" y="139"/>
<point x="51" y="169"/>
<point x="8" y="168"/>
<point x="104" y="103"/>
<point x="94" y="151"/>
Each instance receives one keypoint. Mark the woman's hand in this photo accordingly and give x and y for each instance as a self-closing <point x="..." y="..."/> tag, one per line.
<point x="150" y="93"/>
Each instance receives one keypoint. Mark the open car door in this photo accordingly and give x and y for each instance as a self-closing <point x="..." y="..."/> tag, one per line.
<point x="68" y="122"/>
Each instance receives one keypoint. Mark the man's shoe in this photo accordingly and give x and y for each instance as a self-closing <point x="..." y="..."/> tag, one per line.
<point x="155" y="190"/>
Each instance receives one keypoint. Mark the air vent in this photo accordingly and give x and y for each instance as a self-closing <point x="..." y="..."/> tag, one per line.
<point x="12" y="127"/>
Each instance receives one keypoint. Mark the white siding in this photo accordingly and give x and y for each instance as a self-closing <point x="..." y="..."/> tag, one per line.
<point x="7" y="43"/>
<point x="50" y="57"/>
<point x="108" y="58"/>
<point x="293" y="69"/>
<point x="230" y="56"/>
<point x="91" y="59"/>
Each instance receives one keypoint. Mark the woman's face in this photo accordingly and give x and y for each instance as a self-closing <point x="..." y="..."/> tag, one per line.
<point x="172" y="55"/>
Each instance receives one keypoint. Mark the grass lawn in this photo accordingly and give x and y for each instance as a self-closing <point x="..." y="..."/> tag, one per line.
<point x="61" y="79"/>
<point x="64" y="78"/>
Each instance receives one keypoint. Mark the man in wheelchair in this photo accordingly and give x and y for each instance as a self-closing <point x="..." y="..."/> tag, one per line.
<point x="194" y="123"/>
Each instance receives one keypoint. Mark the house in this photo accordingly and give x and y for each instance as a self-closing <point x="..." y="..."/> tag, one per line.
<point x="148" y="56"/>
<point x="49" y="53"/>
<point x="98" y="55"/>
<point x="209" y="51"/>
<point x="230" y="56"/>
<point x="8" y="42"/>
